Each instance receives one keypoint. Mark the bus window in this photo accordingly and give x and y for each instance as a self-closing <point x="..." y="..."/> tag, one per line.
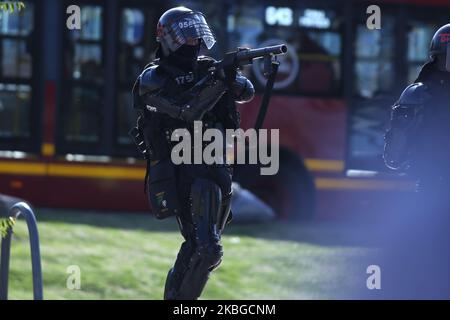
<point x="81" y="113"/>
<point x="16" y="63"/>
<point x="137" y="44"/>
<point x="14" y="110"/>
<point x="374" y="83"/>
<point x="132" y="47"/>
<point x="313" y="36"/>
<point x="18" y="23"/>
<point x="16" y="59"/>
<point x="374" y="54"/>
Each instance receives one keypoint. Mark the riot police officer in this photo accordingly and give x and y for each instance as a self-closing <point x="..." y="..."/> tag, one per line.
<point x="198" y="195"/>
<point x="418" y="143"/>
<point x="418" y="139"/>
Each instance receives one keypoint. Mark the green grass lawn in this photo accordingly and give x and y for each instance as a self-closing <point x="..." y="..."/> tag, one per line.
<point x="127" y="256"/>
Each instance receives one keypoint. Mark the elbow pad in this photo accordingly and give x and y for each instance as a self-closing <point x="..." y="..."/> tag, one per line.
<point x="204" y="101"/>
<point x="192" y="110"/>
<point x="396" y="149"/>
<point x="406" y="121"/>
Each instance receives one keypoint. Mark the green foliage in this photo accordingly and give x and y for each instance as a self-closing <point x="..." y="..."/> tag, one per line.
<point x="127" y="256"/>
<point x="5" y="224"/>
<point x="11" y="5"/>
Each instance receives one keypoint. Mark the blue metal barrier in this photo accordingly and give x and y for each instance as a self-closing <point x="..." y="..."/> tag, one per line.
<point x="22" y="209"/>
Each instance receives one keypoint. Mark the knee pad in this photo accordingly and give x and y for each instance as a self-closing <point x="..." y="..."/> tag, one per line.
<point x="211" y="255"/>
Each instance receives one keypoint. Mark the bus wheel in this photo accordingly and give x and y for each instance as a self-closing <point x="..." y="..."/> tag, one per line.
<point x="290" y="192"/>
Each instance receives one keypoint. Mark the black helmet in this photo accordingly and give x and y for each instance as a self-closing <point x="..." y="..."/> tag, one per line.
<point x="179" y="25"/>
<point x="440" y="48"/>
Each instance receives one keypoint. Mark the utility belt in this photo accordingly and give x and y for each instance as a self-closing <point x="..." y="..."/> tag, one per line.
<point x="206" y="124"/>
<point x="150" y="146"/>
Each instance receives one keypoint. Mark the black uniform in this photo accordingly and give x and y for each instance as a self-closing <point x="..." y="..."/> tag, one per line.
<point x="417" y="260"/>
<point x="418" y="139"/>
<point x="199" y="195"/>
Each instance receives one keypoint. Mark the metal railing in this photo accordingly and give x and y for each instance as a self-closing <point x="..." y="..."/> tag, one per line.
<point x="17" y="210"/>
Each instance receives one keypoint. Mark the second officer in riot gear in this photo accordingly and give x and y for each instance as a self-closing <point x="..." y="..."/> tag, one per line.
<point x="418" y="139"/>
<point x="198" y="195"/>
<point x="417" y="143"/>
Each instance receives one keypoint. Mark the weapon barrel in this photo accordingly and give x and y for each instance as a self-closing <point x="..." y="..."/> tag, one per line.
<point x="261" y="52"/>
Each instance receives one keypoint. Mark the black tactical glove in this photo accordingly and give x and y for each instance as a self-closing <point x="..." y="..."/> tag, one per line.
<point x="228" y="75"/>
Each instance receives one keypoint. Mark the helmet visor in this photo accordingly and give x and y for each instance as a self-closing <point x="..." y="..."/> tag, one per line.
<point x="190" y="27"/>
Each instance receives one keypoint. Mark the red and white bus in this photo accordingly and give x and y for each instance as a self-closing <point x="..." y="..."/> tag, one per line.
<point x="65" y="97"/>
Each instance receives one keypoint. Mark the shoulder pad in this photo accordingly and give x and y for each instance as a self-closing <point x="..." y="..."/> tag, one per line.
<point x="414" y="94"/>
<point x="151" y="79"/>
